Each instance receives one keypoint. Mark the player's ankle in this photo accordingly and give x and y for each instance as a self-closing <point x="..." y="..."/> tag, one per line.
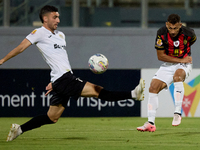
<point x="151" y="122"/>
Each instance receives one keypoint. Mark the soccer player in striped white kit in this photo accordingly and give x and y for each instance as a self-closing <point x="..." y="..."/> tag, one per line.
<point x="51" y="43"/>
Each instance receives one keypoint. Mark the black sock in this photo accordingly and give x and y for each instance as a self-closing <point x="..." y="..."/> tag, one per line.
<point x="178" y="113"/>
<point x="151" y="122"/>
<point x="36" y="122"/>
<point x="114" y="95"/>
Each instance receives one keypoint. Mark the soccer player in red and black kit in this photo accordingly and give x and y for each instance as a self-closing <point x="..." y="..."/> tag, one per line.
<point x="173" y="45"/>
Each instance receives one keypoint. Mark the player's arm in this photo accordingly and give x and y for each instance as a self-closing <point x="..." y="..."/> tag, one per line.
<point x="193" y="40"/>
<point x="19" y="49"/>
<point x="163" y="57"/>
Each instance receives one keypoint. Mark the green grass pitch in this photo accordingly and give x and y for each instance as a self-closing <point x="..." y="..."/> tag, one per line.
<point x="104" y="134"/>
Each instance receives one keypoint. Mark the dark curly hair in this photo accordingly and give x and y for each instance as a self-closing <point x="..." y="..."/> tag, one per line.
<point x="174" y="18"/>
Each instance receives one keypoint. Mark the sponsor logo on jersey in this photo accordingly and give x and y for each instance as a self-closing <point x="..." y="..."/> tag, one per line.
<point x="159" y="42"/>
<point x="191" y="96"/>
<point x="177" y="52"/>
<point x="59" y="46"/>
<point x="33" y="32"/>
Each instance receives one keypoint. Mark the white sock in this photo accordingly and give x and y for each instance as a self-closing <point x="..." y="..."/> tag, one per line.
<point x="178" y="96"/>
<point x="152" y="106"/>
<point x="133" y="94"/>
<point x="19" y="130"/>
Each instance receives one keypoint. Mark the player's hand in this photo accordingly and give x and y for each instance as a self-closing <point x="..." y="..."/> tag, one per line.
<point x="1" y="62"/>
<point x="49" y="88"/>
<point x="187" y="59"/>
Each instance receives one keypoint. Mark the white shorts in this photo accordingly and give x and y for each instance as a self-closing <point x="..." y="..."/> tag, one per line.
<point x="167" y="70"/>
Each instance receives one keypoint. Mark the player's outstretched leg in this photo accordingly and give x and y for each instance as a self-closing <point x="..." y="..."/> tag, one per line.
<point x="147" y="127"/>
<point x="136" y="94"/>
<point x="139" y="91"/>
<point x="176" y="120"/>
<point x="15" y="131"/>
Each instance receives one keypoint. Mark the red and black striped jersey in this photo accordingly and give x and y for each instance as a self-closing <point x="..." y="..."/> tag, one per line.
<point x="178" y="46"/>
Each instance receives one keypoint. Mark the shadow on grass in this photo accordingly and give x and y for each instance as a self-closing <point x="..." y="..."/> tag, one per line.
<point x="57" y="138"/>
<point x="76" y="138"/>
<point x="179" y="133"/>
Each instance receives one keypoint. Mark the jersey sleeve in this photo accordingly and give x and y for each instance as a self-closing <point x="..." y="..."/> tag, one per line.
<point x="34" y="36"/>
<point x="64" y="37"/>
<point x="193" y="38"/>
<point x="159" y="44"/>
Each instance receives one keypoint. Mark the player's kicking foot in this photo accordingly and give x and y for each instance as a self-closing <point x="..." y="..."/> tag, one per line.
<point x="139" y="90"/>
<point x="15" y="131"/>
<point x="176" y="120"/>
<point x="147" y="127"/>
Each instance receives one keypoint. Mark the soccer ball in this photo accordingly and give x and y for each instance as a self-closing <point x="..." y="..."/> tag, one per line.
<point x="98" y="63"/>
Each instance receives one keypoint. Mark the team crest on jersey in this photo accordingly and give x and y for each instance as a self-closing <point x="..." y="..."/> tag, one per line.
<point x="176" y="43"/>
<point x="159" y="42"/>
<point x="33" y="32"/>
<point x="61" y="36"/>
<point x="185" y="42"/>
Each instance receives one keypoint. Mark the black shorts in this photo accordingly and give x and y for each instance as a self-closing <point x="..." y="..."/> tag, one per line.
<point x="65" y="87"/>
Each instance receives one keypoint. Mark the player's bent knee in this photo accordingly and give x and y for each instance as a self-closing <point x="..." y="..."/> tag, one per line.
<point x="53" y="119"/>
<point x="91" y="90"/>
<point x="153" y="89"/>
<point x="178" y="79"/>
<point x="97" y="90"/>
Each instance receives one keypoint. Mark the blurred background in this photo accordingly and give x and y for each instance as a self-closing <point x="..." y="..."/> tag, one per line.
<point x="123" y="30"/>
<point x="101" y="13"/>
